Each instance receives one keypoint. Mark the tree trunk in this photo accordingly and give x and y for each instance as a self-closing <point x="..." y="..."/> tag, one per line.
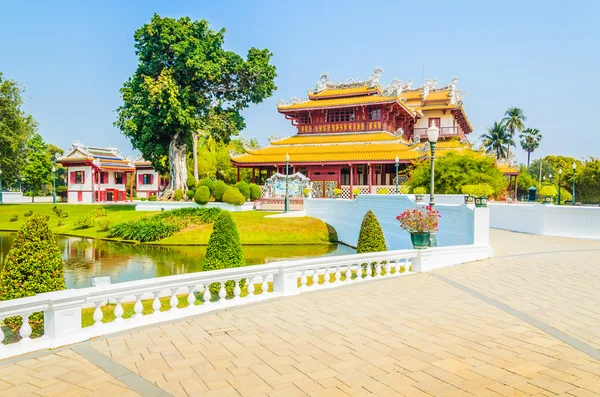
<point x="195" y="153"/>
<point x="528" y="156"/>
<point x="177" y="167"/>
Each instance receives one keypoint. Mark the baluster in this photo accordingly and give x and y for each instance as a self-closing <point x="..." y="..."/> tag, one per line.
<point x="237" y="290"/>
<point x="326" y="276"/>
<point x="119" y="311"/>
<point x="315" y="278"/>
<point x="138" y="308"/>
<point x="388" y="269"/>
<point x="191" y="299"/>
<point x="2" y="336"/>
<point x="98" y="315"/>
<point x="348" y="272"/>
<point x="303" y="280"/>
<point x="251" y="288"/>
<point x="407" y="265"/>
<point x="206" y="296"/>
<point x="25" y="330"/>
<point x="156" y="303"/>
<point x="338" y="275"/>
<point x="378" y="270"/>
<point x="222" y="293"/>
<point x="369" y="271"/>
<point x="396" y="267"/>
<point x="265" y="286"/>
<point x="173" y="301"/>
<point x="358" y="272"/>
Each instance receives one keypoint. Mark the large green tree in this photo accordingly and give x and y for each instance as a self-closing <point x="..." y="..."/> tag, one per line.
<point x="530" y="140"/>
<point x="38" y="167"/>
<point x="497" y="140"/>
<point x="513" y="121"/>
<point x="16" y="128"/>
<point x="187" y="83"/>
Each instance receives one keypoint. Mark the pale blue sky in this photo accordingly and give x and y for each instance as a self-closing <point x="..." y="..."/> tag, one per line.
<point x="544" y="57"/>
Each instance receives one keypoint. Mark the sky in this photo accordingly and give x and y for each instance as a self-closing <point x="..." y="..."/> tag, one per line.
<point x="544" y="57"/>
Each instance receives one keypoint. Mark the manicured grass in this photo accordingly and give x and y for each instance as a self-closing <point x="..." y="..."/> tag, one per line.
<point x="254" y="228"/>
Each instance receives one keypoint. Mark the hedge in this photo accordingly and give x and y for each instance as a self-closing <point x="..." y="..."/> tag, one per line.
<point x="255" y="192"/>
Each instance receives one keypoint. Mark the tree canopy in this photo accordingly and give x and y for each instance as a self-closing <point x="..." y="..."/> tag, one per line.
<point x="497" y="140"/>
<point x="530" y="140"/>
<point x="185" y="83"/>
<point x="16" y="128"/>
<point x="38" y="168"/>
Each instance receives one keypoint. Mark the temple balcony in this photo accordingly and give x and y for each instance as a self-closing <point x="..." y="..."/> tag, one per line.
<point x="445" y="132"/>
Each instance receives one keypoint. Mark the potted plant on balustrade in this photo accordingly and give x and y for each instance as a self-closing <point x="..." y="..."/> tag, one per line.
<point x="356" y="191"/>
<point x="307" y="192"/>
<point x="383" y="191"/>
<point x="337" y="192"/>
<point x="481" y="192"/>
<point x="419" y="193"/>
<point x="548" y="193"/>
<point x="420" y="223"/>
<point x="469" y="192"/>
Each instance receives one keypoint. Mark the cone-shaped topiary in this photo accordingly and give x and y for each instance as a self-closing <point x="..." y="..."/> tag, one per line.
<point x="218" y="189"/>
<point x="202" y="195"/>
<point x="224" y="251"/>
<point x="371" y="237"/>
<point x="33" y="265"/>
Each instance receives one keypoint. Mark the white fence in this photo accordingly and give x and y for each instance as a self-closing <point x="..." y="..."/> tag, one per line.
<point x="18" y="198"/>
<point x="459" y="224"/>
<point x="550" y="220"/>
<point x="63" y="309"/>
<point x="171" y="205"/>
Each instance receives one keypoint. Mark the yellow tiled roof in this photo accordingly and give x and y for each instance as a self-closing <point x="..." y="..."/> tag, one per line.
<point x="362" y="90"/>
<point x="310" y="139"/>
<point x="335" y="102"/>
<point x="408" y="95"/>
<point x="438" y="95"/>
<point x="507" y="169"/>
<point x="437" y="107"/>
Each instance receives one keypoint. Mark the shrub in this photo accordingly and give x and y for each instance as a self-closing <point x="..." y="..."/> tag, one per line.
<point x="190" y="181"/>
<point x="256" y="193"/>
<point x="190" y="194"/>
<point x="371" y="237"/>
<point x="482" y="190"/>
<point x="383" y="191"/>
<point x="468" y="190"/>
<point x="565" y="195"/>
<point x="152" y="198"/>
<point x="100" y="212"/>
<point x="33" y="266"/>
<point x="404" y="189"/>
<point x="233" y="196"/>
<point x="548" y="190"/>
<point x="64" y="215"/>
<point x="143" y="198"/>
<point x="337" y="191"/>
<point x="307" y="191"/>
<point x="85" y="222"/>
<point x="244" y="189"/>
<point x="28" y="214"/>
<point x="178" y="196"/>
<point x="60" y="223"/>
<point x="419" y="190"/>
<point x="202" y="195"/>
<point x="14" y="218"/>
<point x="104" y="225"/>
<point x="356" y="191"/>
<point x="218" y="189"/>
<point x="208" y="183"/>
<point x="57" y="211"/>
<point x="224" y="251"/>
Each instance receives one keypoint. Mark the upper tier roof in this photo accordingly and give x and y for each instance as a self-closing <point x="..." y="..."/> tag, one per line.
<point x="109" y="158"/>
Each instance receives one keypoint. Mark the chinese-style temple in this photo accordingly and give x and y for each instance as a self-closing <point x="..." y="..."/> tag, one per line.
<point x="350" y="135"/>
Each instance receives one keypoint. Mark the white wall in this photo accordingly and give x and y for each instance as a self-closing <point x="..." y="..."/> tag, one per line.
<point x="147" y="190"/>
<point x="86" y="197"/>
<point x="550" y="220"/>
<point x="446" y="120"/>
<point x="457" y="222"/>
<point x="170" y="205"/>
<point x="87" y="180"/>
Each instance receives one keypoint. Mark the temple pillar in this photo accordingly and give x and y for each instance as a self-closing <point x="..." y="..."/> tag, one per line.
<point x="253" y="175"/>
<point x="370" y="179"/>
<point x="131" y="187"/>
<point x="238" y="174"/>
<point x="516" y="186"/>
<point x="351" y="181"/>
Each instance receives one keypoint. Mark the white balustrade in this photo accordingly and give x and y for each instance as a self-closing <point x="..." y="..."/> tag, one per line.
<point x="63" y="309"/>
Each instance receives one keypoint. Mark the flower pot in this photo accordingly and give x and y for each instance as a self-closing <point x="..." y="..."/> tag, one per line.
<point x="419" y="198"/>
<point x="547" y="199"/>
<point x="481" y="202"/>
<point x="469" y="199"/>
<point x="420" y="240"/>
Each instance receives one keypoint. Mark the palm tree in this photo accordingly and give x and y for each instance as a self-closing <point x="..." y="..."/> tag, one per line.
<point x="497" y="140"/>
<point x="530" y="140"/>
<point x="513" y="121"/>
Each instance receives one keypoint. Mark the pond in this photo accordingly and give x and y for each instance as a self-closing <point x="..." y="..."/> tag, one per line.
<point x="85" y="258"/>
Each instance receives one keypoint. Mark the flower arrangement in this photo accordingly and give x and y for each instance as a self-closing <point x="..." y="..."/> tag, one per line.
<point x="356" y="191"/>
<point x="419" y="220"/>
<point x="383" y="191"/>
<point x="337" y="192"/>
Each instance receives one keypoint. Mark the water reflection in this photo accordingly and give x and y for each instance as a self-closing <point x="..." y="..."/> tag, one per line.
<point x="85" y="258"/>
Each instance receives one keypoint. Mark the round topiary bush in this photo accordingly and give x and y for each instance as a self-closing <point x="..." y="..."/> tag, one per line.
<point x="224" y="250"/>
<point x="218" y="189"/>
<point x="233" y="196"/>
<point x="190" y="194"/>
<point x="371" y="237"/>
<point x="202" y="195"/>
<point x="178" y="195"/>
<point x="244" y="188"/>
<point x="208" y="183"/>
<point x="33" y="265"/>
<point x="255" y="192"/>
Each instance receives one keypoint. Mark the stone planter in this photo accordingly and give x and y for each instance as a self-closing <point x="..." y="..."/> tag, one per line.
<point x="420" y="240"/>
<point x="419" y="198"/>
<point x="481" y="202"/>
<point x="469" y="199"/>
<point x="547" y="200"/>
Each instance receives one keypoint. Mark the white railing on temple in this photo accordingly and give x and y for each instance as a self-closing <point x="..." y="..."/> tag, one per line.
<point x="374" y="189"/>
<point x="169" y="298"/>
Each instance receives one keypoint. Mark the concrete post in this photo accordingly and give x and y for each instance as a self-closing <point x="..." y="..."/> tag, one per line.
<point x="63" y="319"/>
<point x="481" y="226"/>
<point x="285" y="281"/>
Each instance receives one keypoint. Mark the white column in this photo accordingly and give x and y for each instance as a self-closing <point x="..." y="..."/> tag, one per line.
<point x="481" y="226"/>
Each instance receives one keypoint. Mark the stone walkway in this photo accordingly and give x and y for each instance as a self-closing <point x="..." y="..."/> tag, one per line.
<point x="479" y="329"/>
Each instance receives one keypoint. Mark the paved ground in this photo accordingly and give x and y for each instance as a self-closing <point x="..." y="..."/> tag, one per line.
<point x="524" y="323"/>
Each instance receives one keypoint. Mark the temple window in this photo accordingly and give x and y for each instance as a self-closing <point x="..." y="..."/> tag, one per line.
<point x="78" y="176"/>
<point x="304" y="118"/>
<point x="375" y="114"/>
<point x="336" y="116"/>
<point x="118" y="178"/>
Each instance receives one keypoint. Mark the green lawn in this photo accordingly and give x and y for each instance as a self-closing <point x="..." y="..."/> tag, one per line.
<point x="254" y="228"/>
